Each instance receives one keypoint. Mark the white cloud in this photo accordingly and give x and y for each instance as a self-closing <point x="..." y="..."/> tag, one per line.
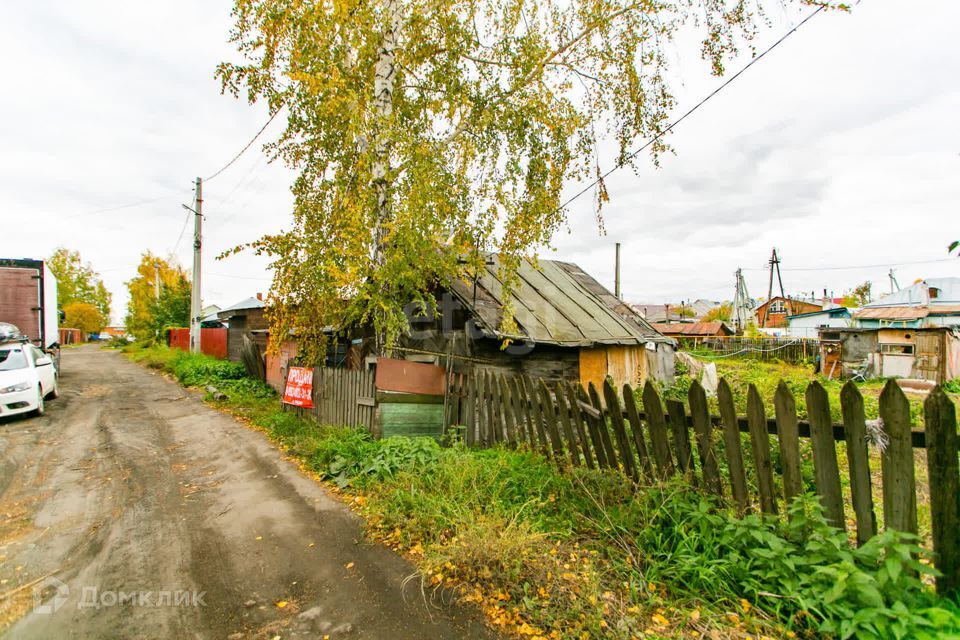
<point x="841" y="147"/>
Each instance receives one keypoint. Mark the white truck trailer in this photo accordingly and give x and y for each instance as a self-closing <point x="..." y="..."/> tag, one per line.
<point x="28" y="299"/>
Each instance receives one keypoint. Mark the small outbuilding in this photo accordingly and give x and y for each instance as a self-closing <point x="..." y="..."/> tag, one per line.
<point x="931" y="353"/>
<point x="245" y="318"/>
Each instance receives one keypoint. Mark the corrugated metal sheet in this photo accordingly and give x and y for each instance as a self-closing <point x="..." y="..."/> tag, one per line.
<point x="891" y="313"/>
<point x="554" y="303"/>
<point x="693" y="329"/>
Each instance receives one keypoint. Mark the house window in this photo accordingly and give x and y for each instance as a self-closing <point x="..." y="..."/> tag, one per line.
<point x="934" y="293"/>
<point x="897" y="349"/>
<point x="777" y="306"/>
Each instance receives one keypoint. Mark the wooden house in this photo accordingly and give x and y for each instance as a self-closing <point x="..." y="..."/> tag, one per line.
<point x="570" y="327"/>
<point x="773" y="313"/>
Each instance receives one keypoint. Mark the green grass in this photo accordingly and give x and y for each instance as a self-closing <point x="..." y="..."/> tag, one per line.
<point x="740" y="373"/>
<point x="575" y="553"/>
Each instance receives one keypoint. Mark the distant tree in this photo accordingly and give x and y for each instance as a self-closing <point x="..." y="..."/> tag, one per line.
<point x="953" y="246"/>
<point x="148" y="314"/>
<point x="83" y="316"/>
<point x="858" y="296"/>
<point x="427" y="132"/>
<point x="721" y="313"/>
<point x="78" y="282"/>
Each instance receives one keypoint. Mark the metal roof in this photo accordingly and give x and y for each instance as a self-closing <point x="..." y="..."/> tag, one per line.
<point x="832" y="311"/>
<point x="891" y="313"/>
<point x="250" y="303"/>
<point x="917" y="294"/>
<point x="692" y="328"/>
<point x="554" y="303"/>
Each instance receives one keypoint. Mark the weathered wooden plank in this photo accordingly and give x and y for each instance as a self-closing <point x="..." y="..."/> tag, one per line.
<point x="593" y="427"/>
<point x="703" y="430"/>
<point x="760" y="445"/>
<point x="825" y="467"/>
<point x="566" y="424"/>
<point x="620" y="431"/>
<point x="657" y="425"/>
<point x="788" y="435"/>
<point x="496" y="409"/>
<point x="940" y="418"/>
<point x="550" y="420"/>
<point x="858" y="459"/>
<point x="478" y="403"/>
<point x="509" y="419"/>
<point x="580" y="425"/>
<point x="604" y="430"/>
<point x="537" y="415"/>
<point x="896" y="461"/>
<point x="470" y="435"/>
<point x="677" y="419"/>
<point x="636" y="428"/>
<point x="732" y="446"/>
<point x="524" y="427"/>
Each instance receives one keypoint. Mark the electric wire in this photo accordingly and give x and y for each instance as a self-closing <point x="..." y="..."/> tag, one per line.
<point x="621" y="163"/>
<point x="244" y="150"/>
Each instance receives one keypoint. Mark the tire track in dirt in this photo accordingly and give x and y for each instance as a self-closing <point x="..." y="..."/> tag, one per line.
<point x="131" y="484"/>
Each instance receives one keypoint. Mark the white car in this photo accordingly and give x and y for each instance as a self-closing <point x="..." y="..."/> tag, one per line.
<point x="27" y="377"/>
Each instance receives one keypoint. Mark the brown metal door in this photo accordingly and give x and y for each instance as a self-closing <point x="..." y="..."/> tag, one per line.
<point x="19" y="300"/>
<point x="927" y="361"/>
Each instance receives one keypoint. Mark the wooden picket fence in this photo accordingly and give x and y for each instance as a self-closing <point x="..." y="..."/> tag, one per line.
<point x="651" y="440"/>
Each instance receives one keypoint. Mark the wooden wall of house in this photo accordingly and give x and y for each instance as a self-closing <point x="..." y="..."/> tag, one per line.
<point x="543" y="361"/>
<point x="624" y="364"/>
<point x="242" y="323"/>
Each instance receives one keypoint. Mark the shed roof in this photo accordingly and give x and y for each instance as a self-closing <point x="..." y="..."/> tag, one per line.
<point x="692" y="328"/>
<point x="832" y="311"/>
<point x="250" y="303"/>
<point x="891" y="313"/>
<point x="554" y="303"/>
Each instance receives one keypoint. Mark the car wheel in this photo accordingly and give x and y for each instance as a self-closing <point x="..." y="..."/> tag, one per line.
<point x="55" y="392"/>
<point x="40" y="410"/>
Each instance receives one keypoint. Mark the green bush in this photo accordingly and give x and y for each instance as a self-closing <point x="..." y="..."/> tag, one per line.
<point x="799" y="569"/>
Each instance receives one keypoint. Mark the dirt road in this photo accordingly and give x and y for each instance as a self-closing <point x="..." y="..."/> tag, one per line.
<point x="136" y="511"/>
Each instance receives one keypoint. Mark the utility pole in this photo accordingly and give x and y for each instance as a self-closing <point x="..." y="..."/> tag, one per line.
<point x="156" y="280"/>
<point x="616" y="276"/>
<point x="775" y="264"/>
<point x="893" y="281"/>
<point x="195" y="286"/>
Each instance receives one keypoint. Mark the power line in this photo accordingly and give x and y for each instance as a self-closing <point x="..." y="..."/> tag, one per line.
<point x="130" y="205"/>
<point x="861" y="266"/>
<point x="621" y="163"/>
<point x="242" y="151"/>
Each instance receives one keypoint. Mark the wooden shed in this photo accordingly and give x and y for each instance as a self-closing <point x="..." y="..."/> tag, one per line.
<point x="570" y="328"/>
<point x="245" y="318"/>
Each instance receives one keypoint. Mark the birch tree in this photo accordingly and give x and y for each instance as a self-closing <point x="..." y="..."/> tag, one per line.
<point x="425" y="132"/>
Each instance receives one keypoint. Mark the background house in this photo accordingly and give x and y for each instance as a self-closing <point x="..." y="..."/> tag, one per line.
<point x="693" y="329"/>
<point x="808" y="325"/>
<point x="934" y="302"/>
<point x="773" y="313"/>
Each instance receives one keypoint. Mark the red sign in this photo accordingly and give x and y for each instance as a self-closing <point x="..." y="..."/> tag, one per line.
<point x="299" y="389"/>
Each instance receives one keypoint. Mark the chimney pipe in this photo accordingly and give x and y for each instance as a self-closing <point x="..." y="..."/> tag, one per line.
<point x="616" y="276"/>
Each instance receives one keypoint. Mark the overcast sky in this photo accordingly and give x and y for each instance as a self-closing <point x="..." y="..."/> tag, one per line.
<point x="841" y="148"/>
